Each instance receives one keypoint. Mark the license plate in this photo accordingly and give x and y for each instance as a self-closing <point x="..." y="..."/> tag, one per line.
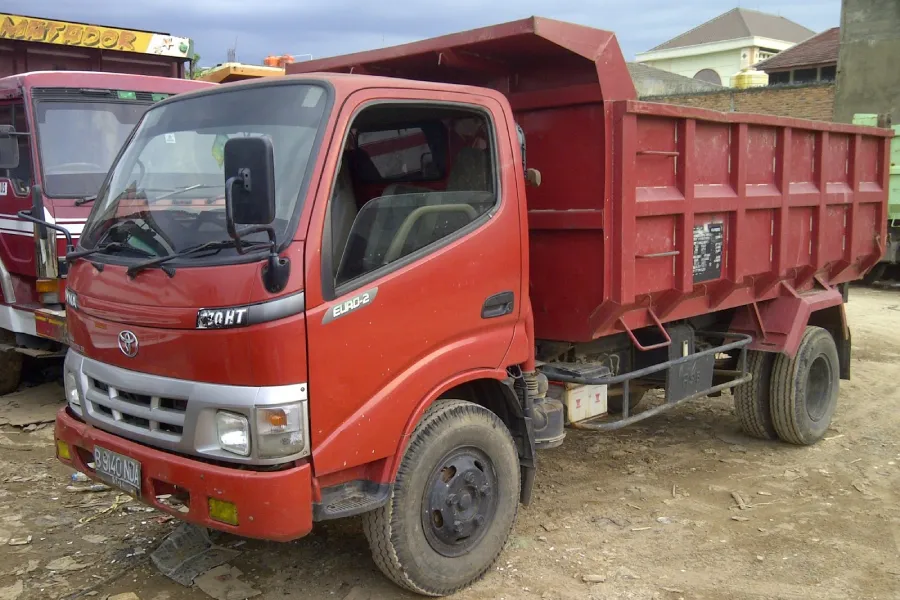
<point x="117" y="470"/>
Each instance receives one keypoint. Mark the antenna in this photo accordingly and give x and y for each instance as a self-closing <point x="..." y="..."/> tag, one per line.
<point x="232" y="52"/>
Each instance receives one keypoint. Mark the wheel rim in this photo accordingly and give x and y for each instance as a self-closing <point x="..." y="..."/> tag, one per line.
<point x="460" y="501"/>
<point x="818" y="388"/>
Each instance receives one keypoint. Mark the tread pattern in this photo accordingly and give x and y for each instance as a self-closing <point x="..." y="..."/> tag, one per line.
<point x="11" y="363"/>
<point x="752" y="400"/>
<point x="784" y="390"/>
<point x="379" y="525"/>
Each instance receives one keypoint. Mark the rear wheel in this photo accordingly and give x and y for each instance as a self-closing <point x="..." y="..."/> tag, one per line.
<point x="10" y="364"/>
<point x="453" y="504"/>
<point x="805" y="389"/>
<point x="751" y="400"/>
<point x="875" y="274"/>
<point x="614" y="404"/>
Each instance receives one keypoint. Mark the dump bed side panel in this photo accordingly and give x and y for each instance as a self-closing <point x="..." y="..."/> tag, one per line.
<point x="710" y="211"/>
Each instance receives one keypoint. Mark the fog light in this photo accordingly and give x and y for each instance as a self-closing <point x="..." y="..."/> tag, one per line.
<point x="223" y="511"/>
<point x="234" y="433"/>
<point x="62" y="450"/>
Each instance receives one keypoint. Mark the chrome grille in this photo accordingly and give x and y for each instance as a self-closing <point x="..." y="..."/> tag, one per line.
<point x="162" y="417"/>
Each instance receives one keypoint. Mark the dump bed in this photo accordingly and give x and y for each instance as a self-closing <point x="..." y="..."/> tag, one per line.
<point x="648" y="212"/>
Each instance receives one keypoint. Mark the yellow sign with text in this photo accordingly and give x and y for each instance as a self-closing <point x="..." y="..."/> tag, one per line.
<point x="31" y="29"/>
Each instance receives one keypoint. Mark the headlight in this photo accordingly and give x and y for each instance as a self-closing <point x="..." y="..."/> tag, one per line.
<point x="282" y="430"/>
<point x="73" y="396"/>
<point x="234" y="433"/>
<point x="71" y="298"/>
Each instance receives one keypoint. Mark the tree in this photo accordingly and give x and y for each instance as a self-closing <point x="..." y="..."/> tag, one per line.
<point x="195" y="71"/>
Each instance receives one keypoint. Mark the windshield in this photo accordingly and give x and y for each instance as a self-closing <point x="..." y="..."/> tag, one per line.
<point x="167" y="188"/>
<point x="79" y="141"/>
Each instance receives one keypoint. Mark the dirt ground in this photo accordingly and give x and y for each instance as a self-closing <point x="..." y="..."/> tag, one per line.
<point x="647" y="512"/>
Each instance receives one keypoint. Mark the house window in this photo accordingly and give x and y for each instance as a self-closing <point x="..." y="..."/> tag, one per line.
<point x="806" y="75"/>
<point x="709" y="76"/>
<point x="828" y="73"/>
<point x="779" y="77"/>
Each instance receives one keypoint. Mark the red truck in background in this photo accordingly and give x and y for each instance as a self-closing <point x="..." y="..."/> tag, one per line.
<point x="387" y="279"/>
<point x="70" y="93"/>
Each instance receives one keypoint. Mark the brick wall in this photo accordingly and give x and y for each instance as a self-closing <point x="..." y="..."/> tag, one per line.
<point x="814" y="101"/>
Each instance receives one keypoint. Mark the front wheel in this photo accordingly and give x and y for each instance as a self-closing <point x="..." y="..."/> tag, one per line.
<point x="453" y="503"/>
<point x="805" y="389"/>
<point x="11" y="363"/>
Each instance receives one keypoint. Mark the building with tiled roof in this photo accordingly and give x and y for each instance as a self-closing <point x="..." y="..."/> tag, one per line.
<point x="720" y="48"/>
<point x="812" y="60"/>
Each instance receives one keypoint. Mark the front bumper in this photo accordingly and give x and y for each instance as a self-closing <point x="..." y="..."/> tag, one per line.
<point x="274" y="505"/>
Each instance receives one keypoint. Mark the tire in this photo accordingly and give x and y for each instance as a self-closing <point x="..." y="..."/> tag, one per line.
<point x="805" y="389"/>
<point x="614" y="404"/>
<point x="10" y="364"/>
<point x="875" y="273"/>
<point x="752" y="399"/>
<point x="470" y="450"/>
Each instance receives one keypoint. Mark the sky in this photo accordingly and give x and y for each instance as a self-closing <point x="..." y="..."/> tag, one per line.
<point x="329" y="27"/>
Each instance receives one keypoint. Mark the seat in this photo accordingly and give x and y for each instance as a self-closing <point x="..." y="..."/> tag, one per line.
<point x="470" y="171"/>
<point x="392" y="226"/>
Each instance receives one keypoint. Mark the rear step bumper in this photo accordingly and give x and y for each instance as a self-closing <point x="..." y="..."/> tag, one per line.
<point x="274" y="505"/>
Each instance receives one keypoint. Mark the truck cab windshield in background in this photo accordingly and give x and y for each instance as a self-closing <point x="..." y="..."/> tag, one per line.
<point x="168" y="186"/>
<point x="78" y="140"/>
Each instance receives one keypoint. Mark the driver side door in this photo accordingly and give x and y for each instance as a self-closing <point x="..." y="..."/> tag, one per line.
<point x="435" y="289"/>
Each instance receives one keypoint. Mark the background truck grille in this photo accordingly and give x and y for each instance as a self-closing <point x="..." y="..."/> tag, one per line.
<point x="162" y="417"/>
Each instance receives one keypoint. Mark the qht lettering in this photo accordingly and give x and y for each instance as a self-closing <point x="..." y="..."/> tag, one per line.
<point x="214" y="319"/>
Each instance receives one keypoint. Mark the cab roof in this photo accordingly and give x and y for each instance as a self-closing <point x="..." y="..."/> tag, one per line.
<point x="97" y="79"/>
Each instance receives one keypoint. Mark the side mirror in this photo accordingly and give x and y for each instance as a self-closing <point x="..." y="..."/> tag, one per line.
<point x="249" y="181"/>
<point x="9" y="148"/>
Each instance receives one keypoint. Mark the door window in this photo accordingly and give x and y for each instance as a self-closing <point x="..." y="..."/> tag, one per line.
<point x="410" y="179"/>
<point x="21" y="177"/>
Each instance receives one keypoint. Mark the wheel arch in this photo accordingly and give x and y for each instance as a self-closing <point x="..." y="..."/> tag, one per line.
<point x="487" y="388"/>
<point x="833" y="319"/>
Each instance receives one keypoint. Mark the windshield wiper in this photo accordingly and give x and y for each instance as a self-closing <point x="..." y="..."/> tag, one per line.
<point x="208" y="246"/>
<point x="188" y="188"/>
<point x="105" y="248"/>
<point x="85" y="200"/>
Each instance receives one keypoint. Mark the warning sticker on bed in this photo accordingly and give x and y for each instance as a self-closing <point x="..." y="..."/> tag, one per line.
<point x="708" y="243"/>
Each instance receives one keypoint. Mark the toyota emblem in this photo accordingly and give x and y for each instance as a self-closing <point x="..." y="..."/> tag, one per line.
<point x="128" y="343"/>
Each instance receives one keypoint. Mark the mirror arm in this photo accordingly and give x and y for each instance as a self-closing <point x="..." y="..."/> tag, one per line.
<point x="277" y="270"/>
<point x="26" y="215"/>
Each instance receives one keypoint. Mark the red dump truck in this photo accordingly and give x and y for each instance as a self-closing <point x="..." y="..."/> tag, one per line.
<point x="380" y="284"/>
<point x="70" y="93"/>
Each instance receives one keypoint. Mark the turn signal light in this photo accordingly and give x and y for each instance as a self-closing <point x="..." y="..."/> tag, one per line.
<point x="276" y="418"/>
<point x="46" y="286"/>
<point x="223" y="511"/>
<point x="62" y="450"/>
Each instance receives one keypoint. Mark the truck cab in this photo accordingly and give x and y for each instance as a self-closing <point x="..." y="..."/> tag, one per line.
<point x="59" y="133"/>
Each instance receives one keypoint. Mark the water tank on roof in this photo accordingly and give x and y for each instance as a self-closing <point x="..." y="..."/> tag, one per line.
<point x="748" y="78"/>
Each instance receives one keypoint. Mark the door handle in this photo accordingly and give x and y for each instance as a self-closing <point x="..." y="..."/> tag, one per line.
<point x="498" y="305"/>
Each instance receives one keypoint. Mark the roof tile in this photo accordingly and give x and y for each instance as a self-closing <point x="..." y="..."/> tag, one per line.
<point x="740" y="23"/>
<point x="821" y="49"/>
